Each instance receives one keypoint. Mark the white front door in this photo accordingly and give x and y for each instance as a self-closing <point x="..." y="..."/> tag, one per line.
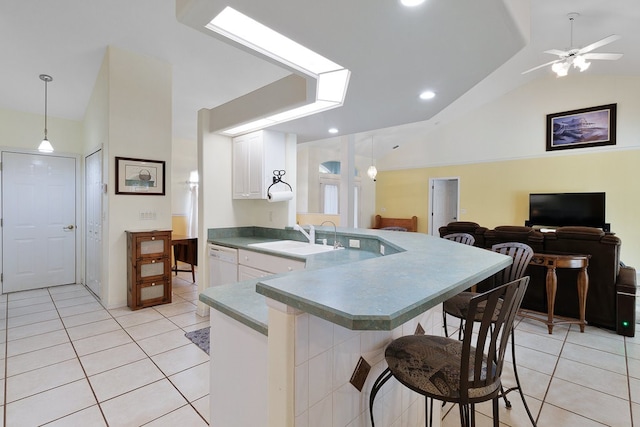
<point x="39" y="221"/>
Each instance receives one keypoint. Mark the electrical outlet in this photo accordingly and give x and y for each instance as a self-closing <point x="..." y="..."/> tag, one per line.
<point x="360" y="374"/>
<point x="353" y="243"/>
<point x="381" y="249"/>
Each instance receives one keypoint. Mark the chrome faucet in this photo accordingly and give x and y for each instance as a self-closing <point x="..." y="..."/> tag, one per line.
<point x="336" y="244"/>
<point x="311" y="236"/>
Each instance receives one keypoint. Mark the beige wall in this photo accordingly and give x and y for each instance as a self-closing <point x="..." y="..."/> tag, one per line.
<point x="498" y="152"/>
<point x="26" y="130"/>
<point x="497" y="193"/>
<point x="131" y="115"/>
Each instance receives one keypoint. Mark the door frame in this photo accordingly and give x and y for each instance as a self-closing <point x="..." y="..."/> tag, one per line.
<point x="431" y="231"/>
<point x="78" y="208"/>
<point x="83" y="256"/>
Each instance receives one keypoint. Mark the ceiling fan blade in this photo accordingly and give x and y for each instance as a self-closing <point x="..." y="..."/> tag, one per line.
<point x="541" y="66"/>
<point x="558" y="52"/>
<point x="598" y="44"/>
<point x="605" y="56"/>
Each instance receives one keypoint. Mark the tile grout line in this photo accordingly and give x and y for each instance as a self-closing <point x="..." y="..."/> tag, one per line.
<point x="77" y="357"/>
<point x="79" y="362"/>
<point x="158" y="367"/>
<point x="626" y="359"/>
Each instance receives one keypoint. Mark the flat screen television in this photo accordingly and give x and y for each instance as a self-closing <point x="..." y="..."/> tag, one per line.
<point x="565" y="209"/>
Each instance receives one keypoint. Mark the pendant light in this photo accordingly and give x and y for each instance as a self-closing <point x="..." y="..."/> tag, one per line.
<point x="45" y="146"/>
<point x="372" y="171"/>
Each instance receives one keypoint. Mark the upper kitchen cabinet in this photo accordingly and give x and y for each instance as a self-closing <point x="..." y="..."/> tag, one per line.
<point x="255" y="156"/>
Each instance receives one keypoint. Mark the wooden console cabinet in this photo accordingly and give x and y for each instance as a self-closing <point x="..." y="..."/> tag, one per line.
<point x="148" y="268"/>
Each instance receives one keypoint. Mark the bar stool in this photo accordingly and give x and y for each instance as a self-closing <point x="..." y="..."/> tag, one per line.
<point x="457" y="306"/>
<point x="464" y="372"/>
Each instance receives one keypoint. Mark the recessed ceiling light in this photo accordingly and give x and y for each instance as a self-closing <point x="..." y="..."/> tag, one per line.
<point x="333" y="130"/>
<point x="411" y="3"/>
<point x="427" y="94"/>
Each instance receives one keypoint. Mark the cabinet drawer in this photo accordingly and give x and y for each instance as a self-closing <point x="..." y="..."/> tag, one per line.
<point x="246" y="273"/>
<point x="156" y="268"/>
<point x="152" y="246"/>
<point x="153" y="292"/>
<point x="269" y="263"/>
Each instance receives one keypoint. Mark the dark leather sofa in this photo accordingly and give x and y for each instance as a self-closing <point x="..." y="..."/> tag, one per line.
<point x="612" y="285"/>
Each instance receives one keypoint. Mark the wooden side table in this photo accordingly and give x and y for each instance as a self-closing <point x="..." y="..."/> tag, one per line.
<point x="185" y="249"/>
<point x="552" y="262"/>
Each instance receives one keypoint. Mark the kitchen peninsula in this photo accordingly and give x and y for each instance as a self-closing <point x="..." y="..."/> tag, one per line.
<point x="284" y="348"/>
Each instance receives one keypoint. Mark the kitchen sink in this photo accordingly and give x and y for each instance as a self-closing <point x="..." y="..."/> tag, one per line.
<point x="293" y="247"/>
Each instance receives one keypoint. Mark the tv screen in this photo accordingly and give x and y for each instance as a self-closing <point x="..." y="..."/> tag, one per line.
<point x="564" y="209"/>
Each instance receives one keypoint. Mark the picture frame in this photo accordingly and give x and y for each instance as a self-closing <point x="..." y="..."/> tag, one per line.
<point x="140" y="176"/>
<point x="586" y="127"/>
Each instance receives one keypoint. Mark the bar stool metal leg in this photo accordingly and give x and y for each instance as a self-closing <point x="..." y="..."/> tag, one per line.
<point x="377" y="385"/>
<point x="518" y="386"/>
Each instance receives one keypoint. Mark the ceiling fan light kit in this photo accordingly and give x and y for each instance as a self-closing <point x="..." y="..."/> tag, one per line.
<point x="578" y="57"/>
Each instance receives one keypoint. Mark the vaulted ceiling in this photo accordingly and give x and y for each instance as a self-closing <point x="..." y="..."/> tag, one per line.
<point x="393" y="53"/>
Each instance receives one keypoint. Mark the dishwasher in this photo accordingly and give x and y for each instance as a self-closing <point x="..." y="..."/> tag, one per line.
<point x="223" y="265"/>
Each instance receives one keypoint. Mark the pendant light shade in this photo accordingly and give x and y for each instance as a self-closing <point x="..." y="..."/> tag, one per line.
<point x="372" y="171"/>
<point x="45" y="146"/>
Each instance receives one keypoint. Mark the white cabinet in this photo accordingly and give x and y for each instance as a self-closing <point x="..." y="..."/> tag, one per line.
<point x="246" y="273"/>
<point x="255" y="264"/>
<point x="255" y="156"/>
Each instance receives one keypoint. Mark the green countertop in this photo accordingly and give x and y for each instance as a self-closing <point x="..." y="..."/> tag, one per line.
<point x="357" y="289"/>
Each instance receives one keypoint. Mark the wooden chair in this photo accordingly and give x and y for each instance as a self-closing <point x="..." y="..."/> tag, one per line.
<point x="458" y="305"/>
<point x="464" y="238"/>
<point x="464" y="372"/>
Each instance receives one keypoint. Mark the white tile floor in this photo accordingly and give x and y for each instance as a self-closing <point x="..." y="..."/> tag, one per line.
<point x="69" y="362"/>
<point x="570" y="379"/>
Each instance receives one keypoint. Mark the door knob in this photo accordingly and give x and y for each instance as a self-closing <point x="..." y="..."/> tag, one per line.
<point x="69" y="227"/>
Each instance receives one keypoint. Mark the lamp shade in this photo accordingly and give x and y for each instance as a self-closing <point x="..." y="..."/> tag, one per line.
<point x="45" y="146"/>
<point x="372" y="172"/>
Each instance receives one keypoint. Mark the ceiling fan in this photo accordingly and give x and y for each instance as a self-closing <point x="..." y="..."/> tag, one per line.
<point x="578" y="57"/>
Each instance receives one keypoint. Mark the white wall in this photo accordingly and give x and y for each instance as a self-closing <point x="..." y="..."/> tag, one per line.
<point x="309" y="158"/>
<point x="96" y="136"/>
<point x="139" y="123"/>
<point x="184" y="159"/>
<point x="513" y="126"/>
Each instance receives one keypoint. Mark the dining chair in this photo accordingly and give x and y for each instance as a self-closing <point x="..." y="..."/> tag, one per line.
<point x="464" y="238"/>
<point x="458" y="305"/>
<point x="463" y="372"/>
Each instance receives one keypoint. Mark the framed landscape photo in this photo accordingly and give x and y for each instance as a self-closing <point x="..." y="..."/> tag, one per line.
<point x="588" y="127"/>
<point x="139" y="176"/>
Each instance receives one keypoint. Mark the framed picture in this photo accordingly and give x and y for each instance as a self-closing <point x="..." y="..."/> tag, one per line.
<point x="588" y="127"/>
<point x="139" y="176"/>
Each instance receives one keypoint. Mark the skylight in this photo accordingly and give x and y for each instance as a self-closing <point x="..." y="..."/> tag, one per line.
<point x="332" y="79"/>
